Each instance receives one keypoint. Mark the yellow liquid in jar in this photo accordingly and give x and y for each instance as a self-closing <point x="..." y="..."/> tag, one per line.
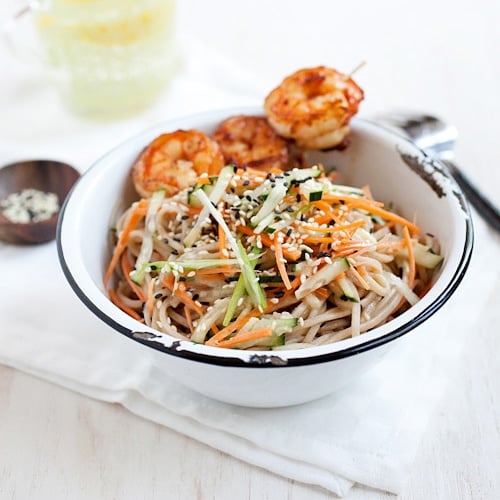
<point x="109" y="57"/>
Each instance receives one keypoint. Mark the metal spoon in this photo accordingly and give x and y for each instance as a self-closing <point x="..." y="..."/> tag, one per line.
<point x="45" y="176"/>
<point x="437" y="138"/>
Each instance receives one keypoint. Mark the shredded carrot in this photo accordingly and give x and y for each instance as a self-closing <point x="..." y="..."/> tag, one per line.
<point x="211" y="272"/>
<point x="290" y="199"/>
<point x="135" y="216"/>
<point x="360" y="278"/>
<point x="127" y="269"/>
<point x="289" y="254"/>
<point x="395" y="245"/>
<point x="350" y="248"/>
<point x="323" y="205"/>
<point x="280" y="263"/>
<point x="150" y="301"/>
<point x="319" y="239"/>
<point x="118" y="302"/>
<point x="246" y="336"/>
<point x="192" y="211"/>
<point x="333" y="229"/>
<point x="411" y="257"/>
<point x="203" y="180"/>
<point x="232" y="327"/>
<point x="322" y="292"/>
<point x="180" y="292"/>
<point x="377" y="210"/>
<point x="330" y="239"/>
<point x="349" y="200"/>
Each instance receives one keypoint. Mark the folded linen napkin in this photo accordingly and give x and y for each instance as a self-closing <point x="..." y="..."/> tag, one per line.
<point x="374" y="425"/>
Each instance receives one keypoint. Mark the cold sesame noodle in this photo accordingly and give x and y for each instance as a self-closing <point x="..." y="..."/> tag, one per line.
<point x="278" y="261"/>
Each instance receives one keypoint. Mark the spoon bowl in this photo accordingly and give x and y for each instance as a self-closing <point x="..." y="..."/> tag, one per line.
<point x="428" y="132"/>
<point x="47" y="176"/>
<point x="437" y="138"/>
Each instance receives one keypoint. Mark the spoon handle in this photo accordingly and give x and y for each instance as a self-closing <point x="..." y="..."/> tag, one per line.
<point x="484" y="207"/>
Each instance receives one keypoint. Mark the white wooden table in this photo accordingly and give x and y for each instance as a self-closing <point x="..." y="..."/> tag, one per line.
<point x="435" y="56"/>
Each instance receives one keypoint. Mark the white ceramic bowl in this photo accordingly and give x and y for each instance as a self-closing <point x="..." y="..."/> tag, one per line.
<point x="396" y="171"/>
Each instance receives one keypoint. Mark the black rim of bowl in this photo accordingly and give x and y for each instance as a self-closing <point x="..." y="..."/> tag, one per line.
<point x="265" y="358"/>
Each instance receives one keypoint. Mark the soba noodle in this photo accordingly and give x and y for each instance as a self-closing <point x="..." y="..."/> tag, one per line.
<point x="282" y="261"/>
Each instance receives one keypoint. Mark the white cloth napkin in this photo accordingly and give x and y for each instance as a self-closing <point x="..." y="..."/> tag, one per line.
<point x="367" y="433"/>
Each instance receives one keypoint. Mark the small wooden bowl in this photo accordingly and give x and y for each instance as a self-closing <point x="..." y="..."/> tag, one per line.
<point x="44" y="175"/>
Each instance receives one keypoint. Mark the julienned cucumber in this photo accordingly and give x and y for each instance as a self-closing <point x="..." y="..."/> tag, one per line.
<point x="192" y="200"/>
<point x="349" y="291"/>
<point x="322" y="277"/>
<point x="279" y="327"/>
<point x="218" y="190"/>
<point x="424" y="256"/>
<point x="178" y="266"/>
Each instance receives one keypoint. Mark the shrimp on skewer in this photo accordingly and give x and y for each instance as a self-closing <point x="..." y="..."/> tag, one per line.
<point x="313" y="106"/>
<point x="174" y="161"/>
<point x="250" y="141"/>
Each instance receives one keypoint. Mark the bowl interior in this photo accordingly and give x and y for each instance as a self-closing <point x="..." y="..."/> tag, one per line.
<point x="397" y="172"/>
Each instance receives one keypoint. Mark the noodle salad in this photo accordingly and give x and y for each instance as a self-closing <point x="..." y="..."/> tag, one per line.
<point x="279" y="260"/>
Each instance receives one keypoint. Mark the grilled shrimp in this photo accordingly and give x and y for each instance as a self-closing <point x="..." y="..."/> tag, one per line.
<point x="250" y="141"/>
<point x="313" y="106"/>
<point x="174" y="161"/>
